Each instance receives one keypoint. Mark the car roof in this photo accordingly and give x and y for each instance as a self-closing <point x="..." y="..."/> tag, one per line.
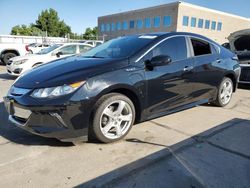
<point x="169" y="34"/>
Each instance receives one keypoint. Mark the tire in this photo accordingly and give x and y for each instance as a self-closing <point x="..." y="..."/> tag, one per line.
<point x="225" y="92"/>
<point x="7" y="56"/>
<point x="111" y="123"/>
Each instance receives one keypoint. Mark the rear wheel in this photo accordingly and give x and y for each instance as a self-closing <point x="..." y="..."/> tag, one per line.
<point x="8" y="56"/>
<point x="113" y="117"/>
<point x="225" y="92"/>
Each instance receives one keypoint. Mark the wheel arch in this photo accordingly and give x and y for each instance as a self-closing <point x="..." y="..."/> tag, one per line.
<point x="10" y="51"/>
<point x="129" y="92"/>
<point x="232" y="76"/>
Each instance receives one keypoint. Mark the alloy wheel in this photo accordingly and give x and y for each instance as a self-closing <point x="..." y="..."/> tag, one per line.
<point x="226" y="92"/>
<point x="116" y="119"/>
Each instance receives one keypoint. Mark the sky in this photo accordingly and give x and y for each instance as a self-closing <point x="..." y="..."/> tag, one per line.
<point x="80" y="14"/>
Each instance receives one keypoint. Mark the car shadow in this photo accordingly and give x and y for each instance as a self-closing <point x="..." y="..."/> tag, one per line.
<point x="244" y="86"/>
<point x="203" y="160"/>
<point x="5" y="76"/>
<point x="16" y="135"/>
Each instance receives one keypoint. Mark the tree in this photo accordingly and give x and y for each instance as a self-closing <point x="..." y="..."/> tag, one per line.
<point x="20" y="30"/>
<point x="26" y="30"/>
<point x="49" y="21"/>
<point x="90" y="33"/>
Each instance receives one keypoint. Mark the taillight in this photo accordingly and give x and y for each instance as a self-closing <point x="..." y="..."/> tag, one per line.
<point x="27" y="48"/>
<point x="235" y="58"/>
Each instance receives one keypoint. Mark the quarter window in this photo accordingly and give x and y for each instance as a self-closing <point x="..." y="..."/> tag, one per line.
<point x="193" y="22"/>
<point x="185" y="20"/>
<point x="200" y="47"/>
<point x="139" y="24"/>
<point x="174" y="47"/>
<point x="167" y="21"/>
<point x="157" y="21"/>
<point x="147" y="23"/>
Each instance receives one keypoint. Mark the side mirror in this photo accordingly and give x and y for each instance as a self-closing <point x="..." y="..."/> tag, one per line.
<point x="58" y="54"/>
<point x="159" y="60"/>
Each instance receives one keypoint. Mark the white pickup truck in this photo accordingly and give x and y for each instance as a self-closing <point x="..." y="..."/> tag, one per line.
<point x="9" y="50"/>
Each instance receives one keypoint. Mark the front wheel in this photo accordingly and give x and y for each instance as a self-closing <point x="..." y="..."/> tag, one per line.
<point x="8" y="56"/>
<point x="113" y="117"/>
<point x="225" y="92"/>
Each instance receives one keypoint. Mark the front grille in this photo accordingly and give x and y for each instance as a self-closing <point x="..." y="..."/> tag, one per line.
<point x="19" y="119"/>
<point x="15" y="91"/>
<point x="245" y="74"/>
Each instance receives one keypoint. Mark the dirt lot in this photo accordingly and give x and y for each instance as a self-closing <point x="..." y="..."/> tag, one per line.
<point x="205" y="146"/>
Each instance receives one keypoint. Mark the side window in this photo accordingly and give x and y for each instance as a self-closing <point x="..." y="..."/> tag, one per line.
<point x="174" y="47"/>
<point x="67" y="50"/>
<point x="215" y="49"/>
<point x="83" y="48"/>
<point x="201" y="47"/>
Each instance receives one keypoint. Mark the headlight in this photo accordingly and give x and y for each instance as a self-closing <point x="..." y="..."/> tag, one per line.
<point x="20" y="62"/>
<point x="56" y="91"/>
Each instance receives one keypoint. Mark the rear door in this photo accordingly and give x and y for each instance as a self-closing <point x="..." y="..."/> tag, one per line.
<point x="169" y="86"/>
<point x="207" y="71"/>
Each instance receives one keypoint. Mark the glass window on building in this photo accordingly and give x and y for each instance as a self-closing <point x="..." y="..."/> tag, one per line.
<point x="125" y="25"/>
<point x="207" y="24"/>
<point x="157" y="21"/>
<point x="139" y="24"/>
<point x="219" y="26"/>
<point x="185" y="20"/>
<point x="193" y="22"/>
<point x="118" y="26"/>
<point x="132" y="24"/>
<point x="103" y="28"/>
<point x="213" y="26"/>
<point x="200" y="23"/>
<point x="167" y="21"/>
<point x="113" y="27"/>
<point x="107" y="27"/>
<point x="147" y="23"/>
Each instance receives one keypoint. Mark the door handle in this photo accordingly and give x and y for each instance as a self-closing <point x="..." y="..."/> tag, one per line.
<point x="218" y="60"/>
<point x="188" y="68"/>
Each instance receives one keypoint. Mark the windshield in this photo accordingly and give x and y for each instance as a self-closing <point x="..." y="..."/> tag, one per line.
<point x="49" y="49"/>
<point x="120" y="47"/>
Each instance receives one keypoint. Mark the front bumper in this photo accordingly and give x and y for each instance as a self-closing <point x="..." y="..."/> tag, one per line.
<point x="245" y="73"/>
<point x="65" y="122"/>
<point x="14" y="70"/>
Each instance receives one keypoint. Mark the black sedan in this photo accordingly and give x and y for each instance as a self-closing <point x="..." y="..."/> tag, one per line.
<point x="102" y="93"/>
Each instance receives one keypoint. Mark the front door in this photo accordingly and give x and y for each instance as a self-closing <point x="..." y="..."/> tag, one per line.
<point x="169" y="86"/>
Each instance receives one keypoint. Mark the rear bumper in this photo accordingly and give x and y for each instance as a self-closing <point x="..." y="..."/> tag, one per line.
<point x="245" y="73"/>
<point x="61" y="122"/>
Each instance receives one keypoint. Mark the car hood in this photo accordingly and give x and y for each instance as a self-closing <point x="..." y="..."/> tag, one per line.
<point x="67" y="71"/>
<point x="28" y="56"/>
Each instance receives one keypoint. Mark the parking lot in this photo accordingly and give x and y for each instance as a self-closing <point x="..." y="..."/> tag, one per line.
<point x="204" y="146"/>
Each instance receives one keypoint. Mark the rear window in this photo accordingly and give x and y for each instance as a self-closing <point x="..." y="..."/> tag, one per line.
<point x="201" y="47"/>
